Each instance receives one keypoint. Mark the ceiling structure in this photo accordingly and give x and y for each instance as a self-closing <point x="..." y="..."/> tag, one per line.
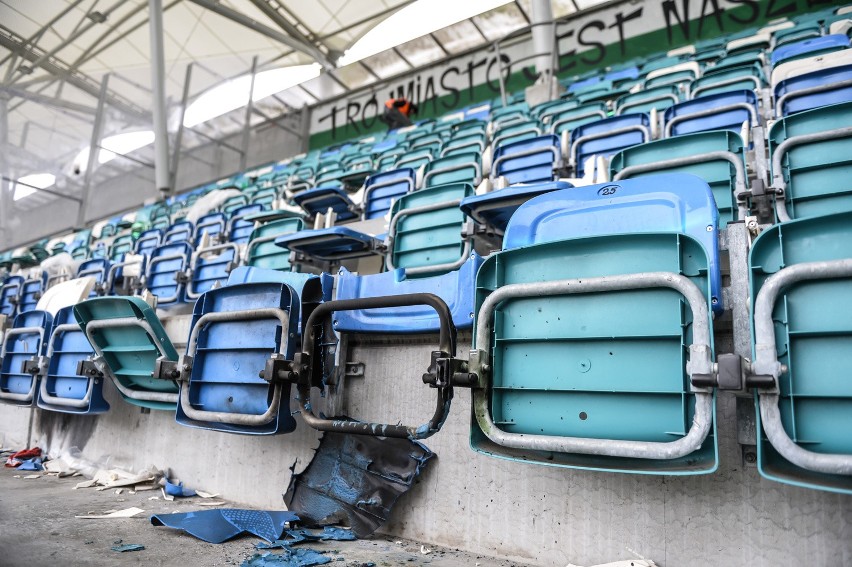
<point x="54" y="55"/>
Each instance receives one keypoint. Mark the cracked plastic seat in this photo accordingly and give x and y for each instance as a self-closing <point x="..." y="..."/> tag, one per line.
<point x="801" y="294"/>
<point x="128" y="338"/>
<point x="592" y="321"/>
<point x="63" y="389"/>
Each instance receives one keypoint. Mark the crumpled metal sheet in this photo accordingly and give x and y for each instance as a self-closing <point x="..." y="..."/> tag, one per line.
<point x="355" y="480"/>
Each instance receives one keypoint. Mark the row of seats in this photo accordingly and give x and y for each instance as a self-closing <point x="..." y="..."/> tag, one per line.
<point x="587" y="302"/>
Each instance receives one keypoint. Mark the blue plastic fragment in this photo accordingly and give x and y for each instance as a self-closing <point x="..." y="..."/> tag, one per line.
<point x="33" y="464"/>
<point x="128" y="547"/>
<point x="178" y="489"/>
<point x="218" y="526"/>
<point x="337" y="534"/>
<point x="302" y="557"/>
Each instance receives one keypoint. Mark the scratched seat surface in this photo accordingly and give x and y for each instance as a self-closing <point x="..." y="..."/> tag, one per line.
<point x="607" y="364"/>
<point x="235" y="330"/>
<point x="63" y="389"/>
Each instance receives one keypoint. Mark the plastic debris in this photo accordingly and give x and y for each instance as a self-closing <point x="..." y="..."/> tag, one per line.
<point x="176" y="488"/>
<point x="126" y="513"/>
<point x="31" y="476"/>
<point x="128" y="547"/>
<point x="33" y="464"/>
<point x="355" y="480"/>
<point x="205" y="494"/>
<point x="210" y="503"/>
<point x="302" y="557"/>
<point x="425" y="550"/>
<point x="218" y="526"/>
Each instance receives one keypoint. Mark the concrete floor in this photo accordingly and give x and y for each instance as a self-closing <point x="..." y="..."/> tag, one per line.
<point x="38" y="528"/>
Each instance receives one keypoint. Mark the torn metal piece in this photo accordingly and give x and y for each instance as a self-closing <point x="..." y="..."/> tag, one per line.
<point x="355" y="480"/>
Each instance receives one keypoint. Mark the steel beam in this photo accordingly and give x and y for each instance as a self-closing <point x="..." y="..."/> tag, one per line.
<point x="5" y="189"/>
<point x="54" y="66"/>
<point x="187" y="81"/>
<point x="158" y="95"/>
<point x="97" y="129"/>
<point x="256" y="26"/>
<point x="307" y="46"/>
<point x="249" y="108"/>
<point x="48" y="100"/>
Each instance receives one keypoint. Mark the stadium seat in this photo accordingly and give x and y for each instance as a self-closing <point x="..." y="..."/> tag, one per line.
<point x="495" y="208"/>
<point x="801" y="293"/>
<point x="164" y="276"/>
<point x="22" y="357"/>
<point x="607" y="137"/>
<point x="583" y="321"/>
<point x="810" y="156"/>
<point x="810" y="47"/>
<point x="65" y="386"/>
<point x="128" y="338"/>
<point x="717" y="157"/>
<point x="262" y="252"/>
<point x="528" y="161"/>
<point x="733" y="110"/>
<point x="812" y="82"/>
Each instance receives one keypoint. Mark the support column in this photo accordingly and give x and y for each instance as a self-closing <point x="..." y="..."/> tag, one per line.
<point x="247" y="125"/>
<point x="158" y="92"/>
<point x="94" y="150"/>
<point x="542" y="34"/>
<point x="187" y="80"/>
<point x="5" y="186"/>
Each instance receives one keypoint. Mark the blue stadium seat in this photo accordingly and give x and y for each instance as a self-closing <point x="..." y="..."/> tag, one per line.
<point x="812" y="90"/>
<point x="180" y="231"/>
<point x="63" y="388"/>
<point x="210" y="266"/>
<point x="9" y="295"/>
<point x="164" y="274"/>
<point x="381" y="189"/>
<point x="426" y="254"/>
<point x="607" y="137"/>
<point x="528" y="161"/>
<point x="809" y="48"/>
<point x="22" y="357"/>
<point x="722" y="111"/>
<point x="97" y="268"/>
<point x="31" y="291"/>
<point x="494" y="209"/>
<point x="214" y="225"/>
<point x="147" y="241"/>
<point x="224" y="390"/>
<point x="239" y="228"/>
<point x="801" y="294"/>
<point x="584" y="321"/>
<point x="318" y="201"/>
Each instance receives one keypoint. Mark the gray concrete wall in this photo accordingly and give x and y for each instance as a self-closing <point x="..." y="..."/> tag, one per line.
<point x="117" y="191"/>
<point x="543" y="515"/>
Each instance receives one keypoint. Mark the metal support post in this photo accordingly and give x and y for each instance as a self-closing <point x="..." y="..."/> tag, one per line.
<point x="158" y="88"/>
<point x="542" y="35"/>
<point x="305" y="129"/>
<point x="94" y="150"/>
<point x="247" y="124"/>
<point x="5" y="188"/>
<point x="179" y="136"/>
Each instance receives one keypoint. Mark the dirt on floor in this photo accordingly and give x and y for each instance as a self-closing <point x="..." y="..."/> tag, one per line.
<point x="38" y="528"/>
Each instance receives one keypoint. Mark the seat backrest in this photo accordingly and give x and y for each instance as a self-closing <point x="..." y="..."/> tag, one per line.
<point x="166" y="262"/>
<point x="643" y="160"/>
<point x="809" y="48"/>
<point x="607" y="137"/>
<point x="674" y="203"/>
<point x="817" y="174"/>
<point x="789" y="99"/>
<point x="659" y="98"/>
<point x="527" y="161"/>
<point x="262" y="252"/>
<point x="180" y="231"/>
<point x="9" y="294"/>
<point x="27" y="339"/>
<point x="431" y="238"/>
<point x="748" y="77"/>
<point x="120" y="246"/>
<point x="211" y="224"/>
<point x="31" y="291"/>
<point x="381" y="189"/>
<point x="239" y="229"/>
<point x="463" y="167"/>
<point x="563" y="119"/>
<point x="722" y="111"/>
